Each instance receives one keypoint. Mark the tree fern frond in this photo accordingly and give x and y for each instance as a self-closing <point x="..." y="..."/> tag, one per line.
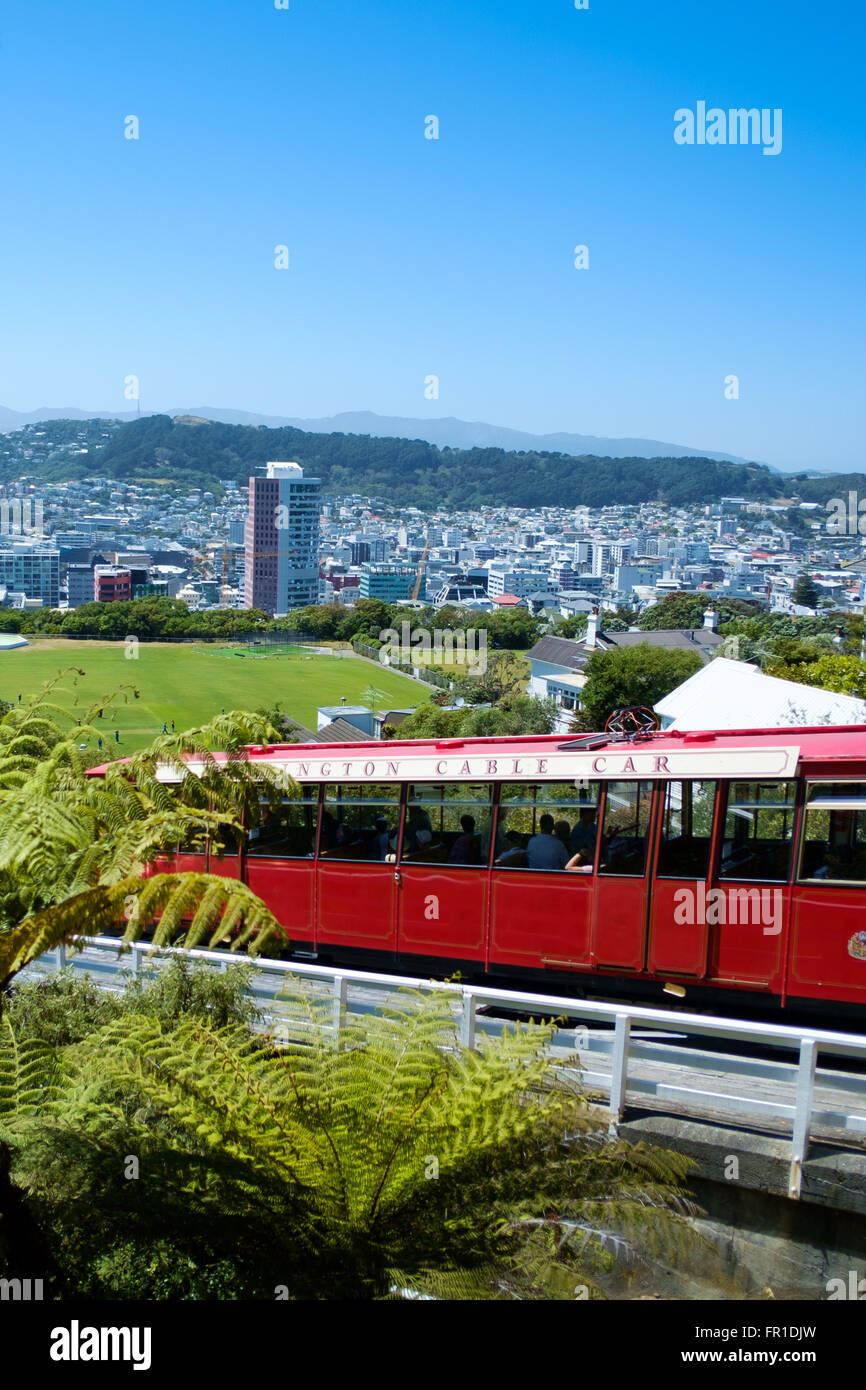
<point x="215" y="905"/>
<point x="28" y="1075"/>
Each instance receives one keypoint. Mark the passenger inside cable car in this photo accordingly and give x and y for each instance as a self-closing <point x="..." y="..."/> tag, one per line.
<point x="584" y="832"/>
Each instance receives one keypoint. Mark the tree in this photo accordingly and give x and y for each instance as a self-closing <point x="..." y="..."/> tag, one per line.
<point x="517" y="714"/>
<point x="385" y="1159"/>
<point x="507" y="674"/>
<point x="73" y="848"/>
<point x="845" y="674"/>
<point x="573" y="627"/>
<point x="371" y="616"/>
<point x="639" y="675"/>
<point x="429" y="721"/>
<point x="805" y="591"/>
<point x="512" y="628"/>
<point x="687" y="611"/>
<point x="612" y="622"/>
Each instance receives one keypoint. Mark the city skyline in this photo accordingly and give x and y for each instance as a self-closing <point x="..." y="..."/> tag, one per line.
<point x="283" y="237"/>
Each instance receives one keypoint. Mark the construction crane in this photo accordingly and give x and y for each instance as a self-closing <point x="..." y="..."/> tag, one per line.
<point x="225" y="587"/>
<point x="420" y="575"/>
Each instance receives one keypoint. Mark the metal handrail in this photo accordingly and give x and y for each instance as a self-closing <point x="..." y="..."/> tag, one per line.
<point x="807" y="1044"/>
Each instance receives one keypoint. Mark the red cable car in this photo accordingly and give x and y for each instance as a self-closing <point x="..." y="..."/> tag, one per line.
<point x="716" y="864"/>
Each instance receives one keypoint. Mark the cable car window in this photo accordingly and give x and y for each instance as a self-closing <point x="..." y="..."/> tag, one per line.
<point x="834" y="839"/>
<point x="687" y="829"/>
<point x="759" y="826"/>
<point x="625" y="831"/>
<point x="287" y="831"/>
<point x="194" y="839"/>
<point x="225" y="843"/>
<point x="448" y="823"/>
<point x="550" y="826"/>
<point x="359" y="821"/>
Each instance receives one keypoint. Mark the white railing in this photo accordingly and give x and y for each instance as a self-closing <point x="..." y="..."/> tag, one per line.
<point x="795" y="1093"/>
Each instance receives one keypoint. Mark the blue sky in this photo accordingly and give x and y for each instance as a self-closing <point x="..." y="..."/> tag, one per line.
<point x="454" y="257"/>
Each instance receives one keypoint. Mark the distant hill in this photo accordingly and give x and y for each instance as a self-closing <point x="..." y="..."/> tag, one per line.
<point x="408" y="472"/>
<point x="446" y="432"/>
<point x="449" y="432"/>
<point x="15" y="419"/>
<point x="397" y="472"/>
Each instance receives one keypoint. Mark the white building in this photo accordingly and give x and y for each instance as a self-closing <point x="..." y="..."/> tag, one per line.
<point x="520" y="581"/>
<point x="729" y="694"/>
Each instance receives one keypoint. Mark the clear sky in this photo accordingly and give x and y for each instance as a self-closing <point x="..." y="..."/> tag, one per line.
<point x="455" y="257"/>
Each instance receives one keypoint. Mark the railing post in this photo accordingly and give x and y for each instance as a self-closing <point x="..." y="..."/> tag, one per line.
<point x="467" y="1022"/>
<point x="136" y="959"/>
<point x="340" y="990"/>
<point x="60" y="957"/>
<point x="618" y="1072"/>
<point x="802" y="1114"/>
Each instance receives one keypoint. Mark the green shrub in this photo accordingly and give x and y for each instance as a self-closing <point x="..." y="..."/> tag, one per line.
<point x="61" y="1009"/>
<point x="190" y="987"/>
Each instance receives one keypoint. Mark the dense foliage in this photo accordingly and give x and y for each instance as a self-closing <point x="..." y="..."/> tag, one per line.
<point x="412" y="472"/>
<point x="60" y="1009"/>
<point x="830" y="671"/>
<point x="513" y="628"/>
<point x="681" y="611"/>
<point x="388" y="1159"/>
<point x="515" y="714"/>
<point x="73" y="848"/>
<point x="169" y="620"/>
<point x="623" y="676"/>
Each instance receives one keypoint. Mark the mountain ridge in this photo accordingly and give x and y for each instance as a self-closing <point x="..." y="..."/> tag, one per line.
<point x="444" y="431"/>
<point x="394" y="471"/>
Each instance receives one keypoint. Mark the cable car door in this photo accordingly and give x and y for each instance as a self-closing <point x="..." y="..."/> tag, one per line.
<point x="620" y="908"/>
<point x="678" y="931"/>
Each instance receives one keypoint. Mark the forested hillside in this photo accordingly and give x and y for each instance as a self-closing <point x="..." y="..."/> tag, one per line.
<point x="412" y="472"/>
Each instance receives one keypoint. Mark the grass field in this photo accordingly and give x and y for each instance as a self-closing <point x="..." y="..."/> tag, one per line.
<point x="190" y="683"/>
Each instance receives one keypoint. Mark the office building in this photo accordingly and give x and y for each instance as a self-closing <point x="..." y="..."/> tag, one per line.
<point x="387" y="582"/>
<point x="111" y="584"/>
<point x="32" y="571"/>
<point x="373" y="550"/>
<point x="79" y="585"/>
<point x="281" y="540"/>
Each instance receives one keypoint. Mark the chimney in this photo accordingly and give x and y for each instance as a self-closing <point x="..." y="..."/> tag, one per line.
<point x="711" y="620"/>
<point x="593" y="628"/>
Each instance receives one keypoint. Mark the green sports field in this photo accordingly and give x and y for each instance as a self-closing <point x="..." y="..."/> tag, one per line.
<point x="190" y="683"/>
